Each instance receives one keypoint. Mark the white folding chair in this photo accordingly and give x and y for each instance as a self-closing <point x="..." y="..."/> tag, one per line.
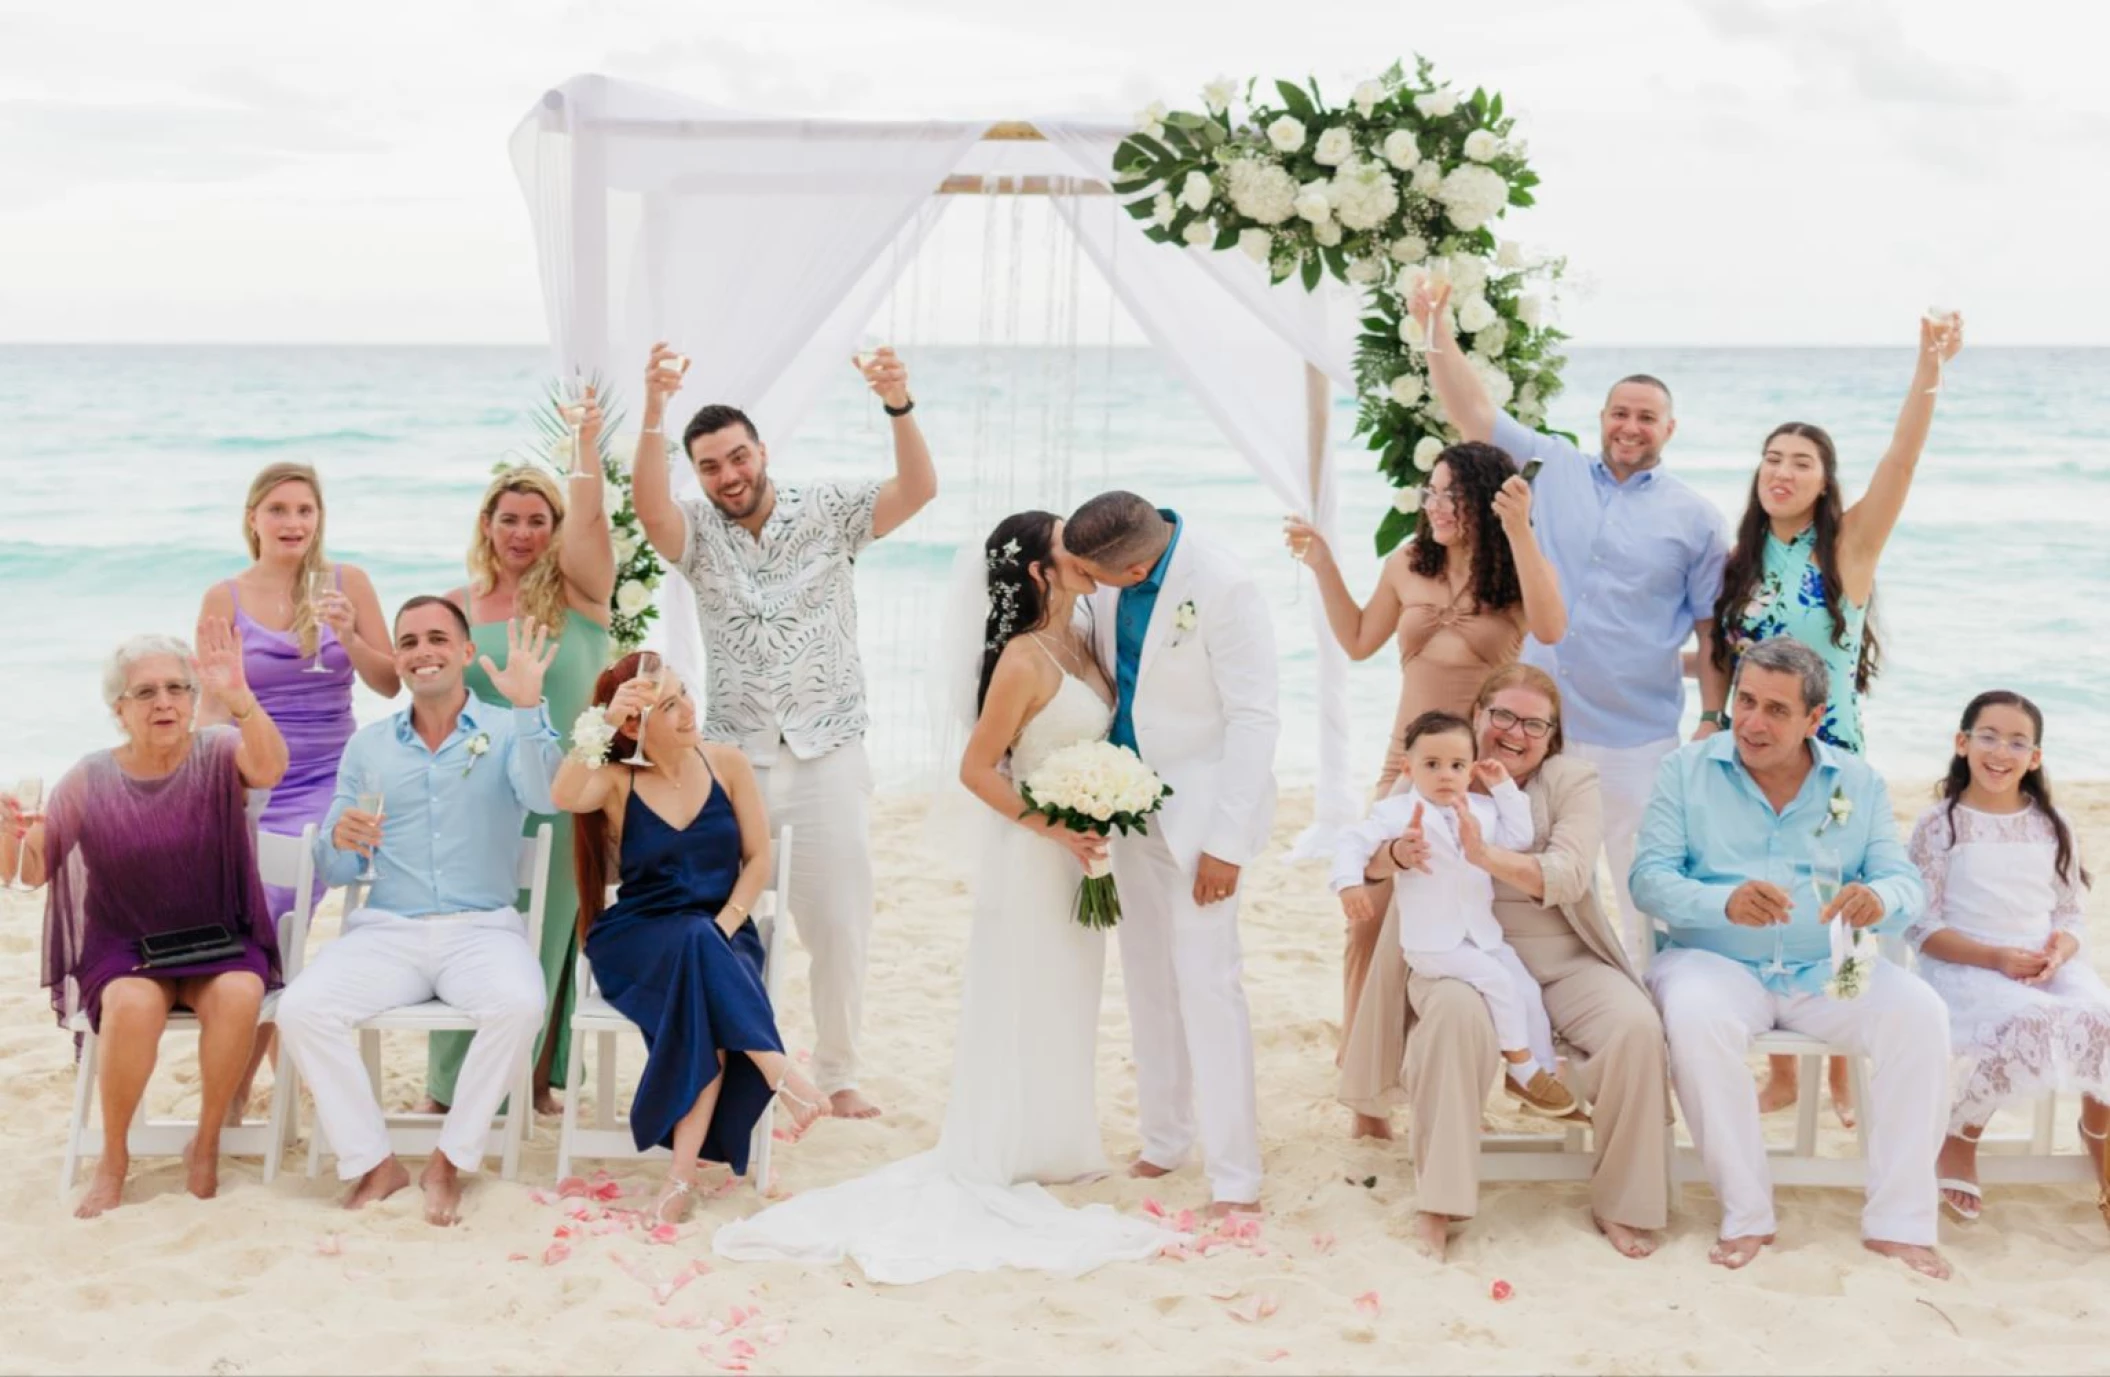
<point x="418" y="1134"/>
<point x="610" y="1138"/>
<point x="281" y="860"/>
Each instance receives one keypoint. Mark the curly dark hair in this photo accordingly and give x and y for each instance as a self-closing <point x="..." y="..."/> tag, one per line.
<point x="1477" y="473"/>
<point x="1020" y="555"/>
<point x="1746" y="565"/>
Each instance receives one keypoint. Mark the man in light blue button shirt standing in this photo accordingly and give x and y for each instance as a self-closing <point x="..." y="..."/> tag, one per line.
<point x="1744" y="836"/>
<point x="457" y="778"/>
<point x="1640" y="558"/>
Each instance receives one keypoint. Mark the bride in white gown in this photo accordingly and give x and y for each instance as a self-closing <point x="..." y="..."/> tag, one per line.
<point x="1022" y="1109"/>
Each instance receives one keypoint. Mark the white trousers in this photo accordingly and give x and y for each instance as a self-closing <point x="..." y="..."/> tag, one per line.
<point x="1181" y="967"/>
<point x="828" y="803"/>
<point x="1626" y="777"/>
<point x="478" y="962"/>
<point x="1713" y="1007"/>
<point x="1514" y="1000"/>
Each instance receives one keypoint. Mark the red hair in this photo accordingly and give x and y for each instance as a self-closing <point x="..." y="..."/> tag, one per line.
<point x="591" y="848"/>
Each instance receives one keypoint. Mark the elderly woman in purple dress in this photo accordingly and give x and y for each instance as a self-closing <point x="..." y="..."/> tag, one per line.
<point x="149" y="840"/>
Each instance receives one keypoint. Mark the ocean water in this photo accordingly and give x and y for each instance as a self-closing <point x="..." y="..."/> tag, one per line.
<point x="124" y="470"/>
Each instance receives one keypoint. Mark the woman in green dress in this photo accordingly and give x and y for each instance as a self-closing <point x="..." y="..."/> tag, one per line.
<point x="1804" y="565"/>
<point x="544" y="553"/>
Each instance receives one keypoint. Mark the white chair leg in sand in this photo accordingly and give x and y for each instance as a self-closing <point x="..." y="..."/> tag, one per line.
<point x="2010" y="1159"/>
<point x="281" y="860"/>
<point x="610" y="1139"/>
<point x="418" y="1134"/>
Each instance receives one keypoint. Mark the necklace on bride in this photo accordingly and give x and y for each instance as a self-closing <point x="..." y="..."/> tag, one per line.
<point x="1066" y="654"/>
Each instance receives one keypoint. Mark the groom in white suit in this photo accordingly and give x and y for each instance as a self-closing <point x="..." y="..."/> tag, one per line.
<point x="1189" y="644"/>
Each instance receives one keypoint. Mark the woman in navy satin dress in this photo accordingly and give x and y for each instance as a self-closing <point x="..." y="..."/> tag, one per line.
<point x="677" y="953"/>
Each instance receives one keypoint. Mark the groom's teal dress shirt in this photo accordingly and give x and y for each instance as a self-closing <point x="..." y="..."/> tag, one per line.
<point x="1131" y="619"/>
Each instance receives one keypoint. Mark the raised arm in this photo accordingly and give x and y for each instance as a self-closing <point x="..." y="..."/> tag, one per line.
<point x="534" y="752"/>
<point x="587" y="557"/>
<point x="1464" y="400"/>
<point x="262" y="756"/>
<point x="1545" y="616"/>
<point x="581" y="787"/>
<point x="915" y="480"/>
<point x="1361" y="630"/>
<point x="651" y="486"/>
<point x="1867" y="525"/>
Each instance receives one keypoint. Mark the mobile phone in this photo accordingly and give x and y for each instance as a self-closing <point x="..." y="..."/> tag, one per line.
<point x="1531" y="470"/>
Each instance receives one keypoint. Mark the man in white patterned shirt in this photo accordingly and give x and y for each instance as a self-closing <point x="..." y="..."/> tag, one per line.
<point x="773" y="572"/>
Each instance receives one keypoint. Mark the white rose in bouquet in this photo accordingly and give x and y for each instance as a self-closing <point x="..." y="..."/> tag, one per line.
<point x="1199" y="232"/>
<point x="1438" y="104"/>
<point x="1366" y="97"/>
<point x="1261" y="191"/>
<point x="1474" y="314"/>
<point x="1409" y="249"/>
<point x="1327" y="233"/>
<point x="1490" y="341"/>
<point x="1095" y="786"/>
<point x="1255" y="243"/>
<point x="1473" y="195"/>
<point x="1334" y="146"/>
<point x="1482" y="146"/>
<point x="1427" y="452"/>
<point x="1495" y="380"/>
<point x="1218" y="94"/>
<point x="1531" y="311"/>
<point x="1509" y="255"/>
<point x="1312" y="203"/>
<point x="1401" y="151"/>
<point x="1196" y="191"/>
<point x="1407" y="389"/>
<point x="1286" y="134"/>
<point x="1162" y="210"/>
<point x="1363" y="194"/>
<point x="625" y="550"/>
<point x="1427" y="177"/>
<point x="632" y="598"/>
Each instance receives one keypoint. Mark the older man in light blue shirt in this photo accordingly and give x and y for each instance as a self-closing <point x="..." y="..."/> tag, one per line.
<point x="1753" y="844"/>
<point x="1640" y="558"/>
<point x="456" y="779"/>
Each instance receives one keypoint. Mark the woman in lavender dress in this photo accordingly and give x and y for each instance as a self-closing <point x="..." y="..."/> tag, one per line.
<point x="150" y="838"/>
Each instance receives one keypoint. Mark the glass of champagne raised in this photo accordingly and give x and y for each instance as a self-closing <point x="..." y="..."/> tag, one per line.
<point x="652" y="670"/>
<point x="321" y="584"/>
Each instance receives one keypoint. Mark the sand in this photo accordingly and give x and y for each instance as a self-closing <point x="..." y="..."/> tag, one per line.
<point x="278" y="1279"/>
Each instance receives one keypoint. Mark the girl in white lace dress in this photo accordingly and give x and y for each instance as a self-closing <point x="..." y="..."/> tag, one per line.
<point x="2001" y="940"/>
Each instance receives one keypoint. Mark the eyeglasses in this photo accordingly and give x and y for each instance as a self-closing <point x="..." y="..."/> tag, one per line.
<point x="1993" y="741"/>
<point x="1432" y="497"/>
<point x="1534" y="727"/>
<point x="174" y="689"/>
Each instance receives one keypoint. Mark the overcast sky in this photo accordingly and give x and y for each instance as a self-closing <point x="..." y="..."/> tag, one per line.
<point x="1717" y="171"/>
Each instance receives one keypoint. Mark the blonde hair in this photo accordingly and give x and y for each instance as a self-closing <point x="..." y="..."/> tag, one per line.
<point x="541" y="593"/>
<point x="306" y="629"/>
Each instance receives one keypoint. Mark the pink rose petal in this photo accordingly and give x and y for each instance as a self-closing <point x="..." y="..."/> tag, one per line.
<point x="541" y="1196"/>
<point x="716" y="1326"/>
<point x="1368" y="1304"/>
<point x="516" y="1257"/>
<point x="573" y="1186"/>
<point x="1184" y="1221"/>
<point x="1152" y="1208"/>
<point x="330" y="1245"/>
<point x="741" y="1348"/>
<point x="741" y="1314"/>
<point x="1501" y="1290"/>
<point x="1322" y="1243"/>
<point x="1274" y="1355"/>
<point x="608" y="1190"/>
<point x="555" y="1253"/>
<point x="663" y="1233"/>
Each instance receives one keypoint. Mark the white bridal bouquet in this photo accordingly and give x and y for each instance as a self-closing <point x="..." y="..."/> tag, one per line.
<point x="1096" y="786"/>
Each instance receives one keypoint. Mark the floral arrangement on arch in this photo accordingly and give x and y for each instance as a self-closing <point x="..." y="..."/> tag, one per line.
<point x="637" y="567"/>
<point x="1402" y="184"/>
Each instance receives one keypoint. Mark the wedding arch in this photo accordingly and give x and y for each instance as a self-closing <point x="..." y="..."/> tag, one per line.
<point x="658" y="216"/>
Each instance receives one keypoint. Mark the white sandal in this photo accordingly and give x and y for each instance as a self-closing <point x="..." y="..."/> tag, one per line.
<point x="2102" y="1184"/>
<point x="1961" y="1187"/>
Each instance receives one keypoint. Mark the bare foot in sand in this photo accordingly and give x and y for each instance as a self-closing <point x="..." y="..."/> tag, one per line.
<point x="428" y="1105"/>
<point x="804" y="1100"/>
<point x="1370" y="1126"/>
<point x="848" y="1104"/>
<point x="106" y="1189"/>
<point x="1432" y="1234"/>
<point x="1736" y="1253"/>
<point x="443" y="1191"/>
<point x="1924" y="1261"/>
<point x="378" y="1184"/>
<point x="201" y="1170"/>
<point x="1635" y="1243"/>
<point x="1148" y="1171"/>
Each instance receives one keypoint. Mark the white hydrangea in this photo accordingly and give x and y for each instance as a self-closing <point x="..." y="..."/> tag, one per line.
<point x="1475" y="314"/>
<point x="1494" y="379"/>
<point x="1196" y="191"/>
<point x="1401" y="150"/>
<point x="1491" y="340"/>
<point x="1409" y="249"/>
<point x="1407" y="389"/>
<point x="1482" y="146"/>
<point x="1199" y="232"/>
<point x="1531" y="311"/>
<point x="1161" y="210"/>
<point x="1327" y="233"/>
<point x="1217" y="94"/>
<point x="1467" y="273"/>
<point x="1427" y="177"/>
<point x="1313" y="204"/>
<point x="1335" y="146"/>
<point x="1364" y="271"/>
<point x="1366" y="97"/>
<point x="1509" y="255"/>
<point x="1437" y="104"/>
<point x="1363" y="194"/>
<point x="1407" y="500"/>
<point x="1286" y="134"/>
<point x="1256" y="243"/>
<point x="1261" y="191"/>
<point x="632" y="598"/>
<point x="1473" y="195"/>
<point x="1425" y="453"/>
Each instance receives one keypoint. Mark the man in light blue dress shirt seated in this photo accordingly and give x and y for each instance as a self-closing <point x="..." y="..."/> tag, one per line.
<point x="1741" y="832"/>
<point x="457" y="777"/>
<point x="1640" y="558"/>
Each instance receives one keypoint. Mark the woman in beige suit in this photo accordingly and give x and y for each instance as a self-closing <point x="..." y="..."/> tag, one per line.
<point x="1430" y="1044"/>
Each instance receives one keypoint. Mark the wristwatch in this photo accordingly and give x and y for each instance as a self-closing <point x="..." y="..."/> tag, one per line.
<point x="1715" y="717"/>
<point x="902" y="410"/>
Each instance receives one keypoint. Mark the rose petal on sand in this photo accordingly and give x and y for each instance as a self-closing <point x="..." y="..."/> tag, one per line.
<point x="1368" y="1304"/>
<point x="516" y="1257"/>
<point x="741" y="1348"/>
<point x="1254" y="1309"/>
<point x="716" y="1326"/>
<point x="1323" y="1244"/>
<point x="663" y="1233"/>
<point x="608" y="1190"/>
<point x="1184" y="1221"/>
<point x="330" y="1245"/>
<point x="741" y="1314"/>
<point x="1152" y="1208"/>
<point x="1274" y="1355"/>
<point x="572" y="1186"/>
<point x="1501" y="1290"/>
<point x="555" y="1253"/>
<point x="541" y="1196"/>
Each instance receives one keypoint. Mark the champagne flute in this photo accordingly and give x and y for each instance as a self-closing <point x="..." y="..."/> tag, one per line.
<point x="1782" y="874"/>
<point x="370" y="800"/>
<point x="1943" y="319"/>
<point x="29" y="802"/>
<point x="321" y="584"/>
<point x="652" y="670"/>
<point x="679" y="365"/>
<point x="571" y="406"/>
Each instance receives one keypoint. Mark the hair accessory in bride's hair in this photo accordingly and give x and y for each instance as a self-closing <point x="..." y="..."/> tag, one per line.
<point x="1003" y="597"/>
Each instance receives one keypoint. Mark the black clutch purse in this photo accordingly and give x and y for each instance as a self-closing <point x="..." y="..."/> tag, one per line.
<point x="188" y="947"/>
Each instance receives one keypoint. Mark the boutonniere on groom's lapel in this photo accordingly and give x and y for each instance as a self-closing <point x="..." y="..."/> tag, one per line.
<point x="1184" y="620"/>
<point x="478" y="744"/>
